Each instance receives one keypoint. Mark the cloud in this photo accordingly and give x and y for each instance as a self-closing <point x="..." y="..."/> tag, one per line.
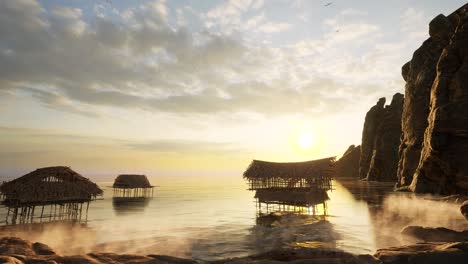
<point x="186" y="146"/>
<point x="34" y="139"/>
<point x="234" y="8"/>
<point x="83" y="65"/>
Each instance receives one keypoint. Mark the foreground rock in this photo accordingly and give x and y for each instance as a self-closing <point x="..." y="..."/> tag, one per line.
<point x="348" y="164"/>
<point x="425" y="253"/>
<point x="16" y="250"/>
<point x="19" y="251"/>
<point x="438" y="234"/>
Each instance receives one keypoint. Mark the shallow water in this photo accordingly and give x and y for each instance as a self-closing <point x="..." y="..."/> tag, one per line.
<point x="213" y="218"/>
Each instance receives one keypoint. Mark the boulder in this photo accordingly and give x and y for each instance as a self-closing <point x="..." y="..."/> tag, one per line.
<point x="425" y="253"/>
<point x="431" y="234"/>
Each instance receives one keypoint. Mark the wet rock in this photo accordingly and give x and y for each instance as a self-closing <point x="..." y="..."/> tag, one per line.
<point x="443" y="168"/>
<point x="169" y="259"/>
<point x="9" y="260"/>
<point x="42" y="249"/>
<point x="372" y="121"/>
<point x="17" y="250"/>
<point x="439" y="234"/>
<point x="348" y="164"/>
<point x="425" y="253"/>
<point x="301" y="255"/>
<point x="15" y="246"/>
<point x="464" y="209"/>
<point x="384" y="161"/>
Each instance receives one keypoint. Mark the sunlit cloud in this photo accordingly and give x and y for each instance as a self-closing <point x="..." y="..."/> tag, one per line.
<point x="214" y="76"/>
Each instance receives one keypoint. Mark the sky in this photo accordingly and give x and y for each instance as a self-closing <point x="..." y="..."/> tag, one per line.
<point x="196" y="87"/>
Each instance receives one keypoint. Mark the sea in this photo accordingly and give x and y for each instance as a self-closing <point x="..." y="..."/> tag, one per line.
<point x="216" y="217"/>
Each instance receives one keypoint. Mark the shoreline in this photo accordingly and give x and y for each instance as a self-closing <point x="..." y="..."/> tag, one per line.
<point x="17" y="250"/>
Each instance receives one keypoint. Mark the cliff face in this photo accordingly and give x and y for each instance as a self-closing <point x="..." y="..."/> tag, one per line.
<point x="443" y="166"/>
<point x="372" y="121"/>
<point x="384" y="161"/>
<point x="348" y="164"/>
<point x="419" y="75"/>
<point x="380" y="140"/>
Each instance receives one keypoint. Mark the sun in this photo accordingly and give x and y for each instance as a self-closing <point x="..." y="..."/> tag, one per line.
<point x="305" y="140"/>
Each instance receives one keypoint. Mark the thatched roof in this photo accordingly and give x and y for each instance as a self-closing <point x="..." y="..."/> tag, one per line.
<point x="293" y="196"/>
<point x="49" y="185"/>
<point x="305" y="169"/>
<point x="131" y="181"/>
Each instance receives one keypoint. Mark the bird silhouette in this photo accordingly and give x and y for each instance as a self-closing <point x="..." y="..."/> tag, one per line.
<point x="328" y="4"/>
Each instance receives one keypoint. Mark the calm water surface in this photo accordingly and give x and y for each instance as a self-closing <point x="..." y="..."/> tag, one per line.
<point x="213" y="218"/>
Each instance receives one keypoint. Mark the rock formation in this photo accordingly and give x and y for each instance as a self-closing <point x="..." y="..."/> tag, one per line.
<point x="443" y="166"/>
<point x="380" y="140"/>
<point x="419" y="74"/>
<point x="348" y="164"/>
<point x="373" y="118"/>
<point x="464" y="209"/>
<point x="384" y="162"/>
<point x="16" y="250"/>
<point x="435" y="234"/>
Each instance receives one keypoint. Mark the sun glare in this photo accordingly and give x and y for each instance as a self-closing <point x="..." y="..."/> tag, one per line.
<point x="305" y="140"/>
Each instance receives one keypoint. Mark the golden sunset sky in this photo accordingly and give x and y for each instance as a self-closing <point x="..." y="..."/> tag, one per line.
<point x="195" y="86"/>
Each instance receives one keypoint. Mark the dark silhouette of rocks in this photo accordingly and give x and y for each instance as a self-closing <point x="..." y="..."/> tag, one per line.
<point x="19" y="251"/>
<point x="442" y="167"/>
<point x="419" y="74"/>
<point x="372" y="121"/>
<point x="380" y="140"/>
<point x="425" y="253"/>
<point x="464" y="209"/>
<point x="348" y="164"/>
<point x="435" y="234"/>
<point x="384" y="161"/>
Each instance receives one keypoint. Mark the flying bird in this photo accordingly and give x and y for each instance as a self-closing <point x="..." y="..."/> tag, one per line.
<point x="328" y="4"/>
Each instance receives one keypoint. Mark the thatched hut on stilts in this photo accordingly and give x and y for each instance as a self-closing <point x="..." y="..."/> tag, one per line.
<point x="58" y="192"/>
<point x="291" y="186"/>
<point x="132" y="186"/>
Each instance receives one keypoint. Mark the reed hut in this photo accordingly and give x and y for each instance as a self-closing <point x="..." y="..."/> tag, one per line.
<point x="297" y="184"/>
<point x="59" y="191"/>
<point x="132" y="185"/>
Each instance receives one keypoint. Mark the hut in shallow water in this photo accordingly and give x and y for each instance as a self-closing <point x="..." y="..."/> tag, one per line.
<point x="297" y="184"/>
<point x="59" y="193"/>
<point x="132" y="185"/>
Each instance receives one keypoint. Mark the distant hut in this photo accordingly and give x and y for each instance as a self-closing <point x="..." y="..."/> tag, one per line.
<point x="132" y="185"/>
<point x="59" y="191"/>
<point x="298" y="184"/>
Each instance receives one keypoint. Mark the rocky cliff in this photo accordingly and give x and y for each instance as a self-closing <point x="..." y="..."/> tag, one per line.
<point x="419" y="74"/>
<point x="380" y="140"/>
<point x="443" y="166"/>
<point x="371" y="123"/>
<point x="434" y="142"/>
<point x="348" y="164"/>
<point x="384" y="161"/>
